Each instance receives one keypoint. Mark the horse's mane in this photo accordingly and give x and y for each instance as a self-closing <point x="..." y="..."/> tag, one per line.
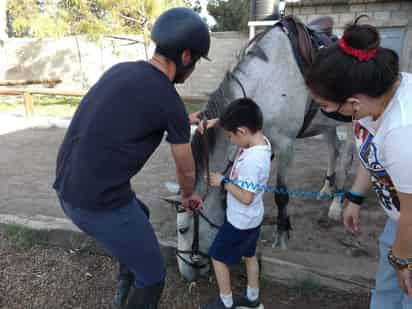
<point x="214" y="109"/>
<point x="217" y="102"/>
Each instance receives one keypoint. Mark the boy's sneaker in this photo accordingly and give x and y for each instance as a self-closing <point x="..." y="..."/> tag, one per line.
<point x="242" y="302"/>
<point x="217" y="304"/>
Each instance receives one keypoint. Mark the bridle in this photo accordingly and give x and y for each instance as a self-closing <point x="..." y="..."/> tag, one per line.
<point x="195" y="254"/>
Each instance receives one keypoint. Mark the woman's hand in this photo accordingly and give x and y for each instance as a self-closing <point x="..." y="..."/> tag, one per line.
<point x="404" y="277"/>
<point x="351" y="217"/>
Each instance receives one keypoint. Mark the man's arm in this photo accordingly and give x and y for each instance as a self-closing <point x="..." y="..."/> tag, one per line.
<point x="185" y="167"/>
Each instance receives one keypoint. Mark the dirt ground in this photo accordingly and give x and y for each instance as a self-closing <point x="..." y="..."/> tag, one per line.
<point x="51" y="278"/>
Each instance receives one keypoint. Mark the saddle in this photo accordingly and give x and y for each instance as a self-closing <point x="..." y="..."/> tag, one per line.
<point x="306" y="41"/>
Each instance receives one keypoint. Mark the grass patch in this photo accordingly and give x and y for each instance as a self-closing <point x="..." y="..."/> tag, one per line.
<point x="54" y="106"/>
<point x="50" y="106"/>
<point x="307" y="286"/>
<point x="20" y="236"/>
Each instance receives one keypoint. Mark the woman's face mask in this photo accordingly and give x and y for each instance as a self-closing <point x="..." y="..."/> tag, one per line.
<point x="339" y="112"/>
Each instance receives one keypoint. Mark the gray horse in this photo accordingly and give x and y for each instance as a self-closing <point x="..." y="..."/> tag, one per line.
<point x="269" y="74"/>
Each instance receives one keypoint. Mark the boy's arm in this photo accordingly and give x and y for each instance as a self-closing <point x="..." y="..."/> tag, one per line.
<point x="242" y="195"/>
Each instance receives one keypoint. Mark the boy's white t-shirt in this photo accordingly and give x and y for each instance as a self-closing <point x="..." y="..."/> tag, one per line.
<point x="250" y="171"/>
<point x="385" y="148"/>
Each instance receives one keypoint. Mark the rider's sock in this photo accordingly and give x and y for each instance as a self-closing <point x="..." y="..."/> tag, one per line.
<point x="252" y="293"/>
<point x="227" y="300"/>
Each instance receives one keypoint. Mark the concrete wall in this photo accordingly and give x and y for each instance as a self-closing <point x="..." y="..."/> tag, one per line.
<point x="383" y="14"/>
<point x="68" y="57"/>
<point x="60" y="58"/>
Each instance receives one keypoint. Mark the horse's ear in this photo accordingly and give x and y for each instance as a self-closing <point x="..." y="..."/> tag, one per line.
<point x="260" y="53"/>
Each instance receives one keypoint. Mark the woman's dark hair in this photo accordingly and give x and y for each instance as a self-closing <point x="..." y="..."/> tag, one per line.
<point x="335" y="75"/>
<point x="242" y="113"/>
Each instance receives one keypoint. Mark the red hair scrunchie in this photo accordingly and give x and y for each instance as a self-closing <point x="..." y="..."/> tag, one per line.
<point x="359" y="54"/>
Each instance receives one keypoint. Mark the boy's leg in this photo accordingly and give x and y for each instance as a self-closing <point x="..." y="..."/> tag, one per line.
<point x="388" y="293"/>
<point x="223" y="277"/>
<point x="252" y="269"/>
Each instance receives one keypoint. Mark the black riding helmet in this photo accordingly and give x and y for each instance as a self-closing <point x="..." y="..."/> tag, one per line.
<point x="178" y="29"/>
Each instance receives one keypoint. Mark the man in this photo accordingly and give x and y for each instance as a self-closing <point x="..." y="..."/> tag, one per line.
<point x="118" y="125"/>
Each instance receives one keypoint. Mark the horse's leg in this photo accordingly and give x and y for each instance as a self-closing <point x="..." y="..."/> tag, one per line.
<point x="284" y="158"/>
<point x="346" y="151"/>
<point x="329" y="185"/>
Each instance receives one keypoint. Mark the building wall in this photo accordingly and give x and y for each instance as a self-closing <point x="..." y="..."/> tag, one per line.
<point x="79" y="63"/>
<point x="385" y="15"/>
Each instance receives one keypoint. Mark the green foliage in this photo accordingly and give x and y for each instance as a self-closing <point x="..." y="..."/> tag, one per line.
<point x="45" y="18"/>
<point x="307" y="286"/>
<point x="21" y="236"/>
<point x="230" y="15"/>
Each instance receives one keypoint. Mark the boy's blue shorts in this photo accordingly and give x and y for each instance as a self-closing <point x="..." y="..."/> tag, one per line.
<point x="231" y="244"/>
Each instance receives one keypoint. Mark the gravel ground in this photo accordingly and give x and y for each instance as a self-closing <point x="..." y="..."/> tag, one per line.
<point x="44" y="277"/>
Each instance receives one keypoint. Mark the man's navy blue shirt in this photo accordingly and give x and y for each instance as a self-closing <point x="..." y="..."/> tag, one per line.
<point x="118" y="125"/>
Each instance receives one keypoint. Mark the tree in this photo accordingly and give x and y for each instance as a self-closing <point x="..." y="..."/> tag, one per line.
<point x="230" y="15"/>
<point x="45" y="18"/>
<point x="93" y="18"/>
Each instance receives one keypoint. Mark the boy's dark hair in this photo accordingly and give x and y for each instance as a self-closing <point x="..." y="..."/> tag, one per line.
<point x="242" y="113"/>
<point x="336" y="76"/>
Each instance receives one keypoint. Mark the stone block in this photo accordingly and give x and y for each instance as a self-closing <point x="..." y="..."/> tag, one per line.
<point x="306" y="10"/>
<point x="357" y="8"/>
<point x="341" y="8"/>
<point x="382" y="16"/>
<point x="374" y="7"/>
<point x="324" y="9"/>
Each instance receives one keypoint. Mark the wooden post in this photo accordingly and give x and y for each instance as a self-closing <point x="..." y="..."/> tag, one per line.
<point x="28" y="104"/>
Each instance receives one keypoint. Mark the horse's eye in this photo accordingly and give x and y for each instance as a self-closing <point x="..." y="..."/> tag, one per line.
<point x="183" y="230"/>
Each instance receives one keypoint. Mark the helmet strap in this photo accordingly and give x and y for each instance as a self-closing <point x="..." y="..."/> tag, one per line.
<point x="176" y="57"/>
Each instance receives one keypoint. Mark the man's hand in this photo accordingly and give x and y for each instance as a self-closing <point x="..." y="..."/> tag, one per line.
<point x="215" y="179"/>
<point x="192" y="202"/>
<point x="211" y="123"/>
<point x="404" y="277"/>
<point x="351" y="217"/>
<point x="194" y="118"/>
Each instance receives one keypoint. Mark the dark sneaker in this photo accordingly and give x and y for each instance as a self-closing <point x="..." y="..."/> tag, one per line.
<point x="218" y="304"/>
<point x="242" y="302"/>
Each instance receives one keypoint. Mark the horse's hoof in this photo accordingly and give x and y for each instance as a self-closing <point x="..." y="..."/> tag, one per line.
<point x="192" y="286"/>
<point x="281" y="241"/>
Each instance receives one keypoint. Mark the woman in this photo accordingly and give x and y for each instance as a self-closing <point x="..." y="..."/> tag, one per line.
<point x="360" y="79"/>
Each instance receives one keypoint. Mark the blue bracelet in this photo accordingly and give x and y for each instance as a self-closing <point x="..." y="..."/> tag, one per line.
<point x="357" y="194"/>
<point x="355" y="197"/>
<point x="225" y="180"/>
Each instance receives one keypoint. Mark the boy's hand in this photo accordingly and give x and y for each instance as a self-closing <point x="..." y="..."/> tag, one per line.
<point x="211" y="123"/>
<point x="215" y="179"/>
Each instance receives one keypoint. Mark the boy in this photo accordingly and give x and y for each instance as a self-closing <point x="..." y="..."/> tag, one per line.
<point x="242" y="122"/>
